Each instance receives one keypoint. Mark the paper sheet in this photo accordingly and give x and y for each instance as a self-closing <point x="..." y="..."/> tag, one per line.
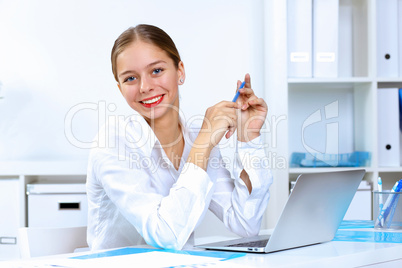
<point x="154" y="259"/>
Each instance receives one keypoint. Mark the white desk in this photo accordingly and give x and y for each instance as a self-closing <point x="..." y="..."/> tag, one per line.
<point x="330" y="254"/>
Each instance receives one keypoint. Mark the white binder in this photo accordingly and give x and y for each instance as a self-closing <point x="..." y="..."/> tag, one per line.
<point x="299" y="33"/>
<point x="387" y="38"/>
<point x="345" y="59"/>
<point x="388" y="127"/>
<point x="325" y="38"/>
<point x="400" y="36"/>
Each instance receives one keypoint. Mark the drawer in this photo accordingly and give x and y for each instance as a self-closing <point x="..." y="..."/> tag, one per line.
<point x="57" y="209"/>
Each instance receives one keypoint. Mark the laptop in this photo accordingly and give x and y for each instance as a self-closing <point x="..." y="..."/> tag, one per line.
<point x="312" y="214"/>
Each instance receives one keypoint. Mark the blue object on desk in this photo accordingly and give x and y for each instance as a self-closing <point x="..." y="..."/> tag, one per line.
<point x="380" y="199"/>
<point x="355" y="159"/>
<point x="368" y="236"/>
<point x="115" y="252"/>
<point x="131" y="250"/>
<point x="394" y="205"/>
<point x="355" y="224"/>
<point x="389" y="205"/>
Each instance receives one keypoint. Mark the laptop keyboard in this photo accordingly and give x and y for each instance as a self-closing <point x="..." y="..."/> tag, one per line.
<point x="256" y="244"/>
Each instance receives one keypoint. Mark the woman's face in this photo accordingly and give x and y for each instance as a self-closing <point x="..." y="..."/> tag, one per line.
<point x="149" y="80"/>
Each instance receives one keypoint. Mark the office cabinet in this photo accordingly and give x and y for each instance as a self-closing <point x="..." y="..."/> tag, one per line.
<point x="9" y="219"/>
<point x="57" y="205"/>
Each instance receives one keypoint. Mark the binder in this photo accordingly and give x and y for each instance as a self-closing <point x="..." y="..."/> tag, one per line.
<point x="325" y="38"/>
<point x="400" y="124"/>
<point x="388" y="127"/>
<point x="387" y="38"/>
<point x="400" y="36"/>
<point x="400" y="111"/>
<point x="299" y="31"/>
<point x="345" y="59"/>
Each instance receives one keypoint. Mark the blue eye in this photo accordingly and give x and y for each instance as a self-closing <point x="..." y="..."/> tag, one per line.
<point x="157" y="71"/>
<point x="130" y="79"/>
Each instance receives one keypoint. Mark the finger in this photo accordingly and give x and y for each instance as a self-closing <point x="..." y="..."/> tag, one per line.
<point x="255" y="103"/>
<point x="238" y="85"/>
<point x="247" y="104"/>
<point x="247" y="79"/>
<point x="229" y="104"/>
<point x="230" y="132"/>
<point x="246" y="91"/>
<point x="231" y="122"/>
<point x="258" y="102"/>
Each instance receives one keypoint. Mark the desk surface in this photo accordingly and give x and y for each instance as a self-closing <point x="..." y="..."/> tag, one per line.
<point x="329" y="254"/>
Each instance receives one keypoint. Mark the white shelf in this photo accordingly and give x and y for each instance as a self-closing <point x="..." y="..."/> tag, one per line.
<point x="41" y="168"/>
<point x="389" y="80"/>
<point x="390" y="169"/>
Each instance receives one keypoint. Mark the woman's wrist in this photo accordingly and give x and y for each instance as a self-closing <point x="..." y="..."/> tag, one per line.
<point x="201" y="150"/>
<point x="204" y="141"/>
<point x="248" y="136"/>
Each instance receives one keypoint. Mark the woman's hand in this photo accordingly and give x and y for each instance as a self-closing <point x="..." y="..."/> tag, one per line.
<point x="219" y="119"/>
<point x="253" y="112"/>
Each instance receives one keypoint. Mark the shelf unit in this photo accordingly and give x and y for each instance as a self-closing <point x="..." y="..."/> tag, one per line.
<point x="41" y="172"/>
<point x="298" y="97"/>
<point x="33" y="172"/>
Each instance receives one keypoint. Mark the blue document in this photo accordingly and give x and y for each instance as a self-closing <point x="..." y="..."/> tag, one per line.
<point x="131" y="250"/>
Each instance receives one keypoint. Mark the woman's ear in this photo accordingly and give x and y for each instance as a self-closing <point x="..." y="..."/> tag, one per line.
<point x="181" y="73"/>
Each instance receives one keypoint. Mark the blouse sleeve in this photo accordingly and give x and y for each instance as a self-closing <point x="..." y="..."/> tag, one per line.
<point x="241" y="211"/>
<point x="163" y="221"/>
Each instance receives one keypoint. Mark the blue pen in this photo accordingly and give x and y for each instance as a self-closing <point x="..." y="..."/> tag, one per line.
<point x="388" y="204"/>
<point x="238" y="93"/>
<point x="394" y="201"/>
<point x="380" y="201"/>
<point x="380" y="219"/>
<point x="391" y="215"/>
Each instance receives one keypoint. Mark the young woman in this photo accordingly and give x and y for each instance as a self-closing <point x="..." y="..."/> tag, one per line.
<point x="157" y="181"/>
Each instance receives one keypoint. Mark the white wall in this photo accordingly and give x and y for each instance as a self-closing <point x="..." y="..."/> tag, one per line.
<point x="56" y="54"/>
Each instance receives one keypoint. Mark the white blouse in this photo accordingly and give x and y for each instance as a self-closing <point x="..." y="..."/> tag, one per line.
<point x="135" y="194"/>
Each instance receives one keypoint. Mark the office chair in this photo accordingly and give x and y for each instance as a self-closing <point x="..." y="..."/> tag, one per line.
<point x="38" y="241"/>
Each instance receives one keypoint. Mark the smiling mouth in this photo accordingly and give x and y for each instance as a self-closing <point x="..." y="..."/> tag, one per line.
<point x="149" y="103"/>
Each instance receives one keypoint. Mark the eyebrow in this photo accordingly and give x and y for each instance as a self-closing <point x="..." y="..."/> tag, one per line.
<point x="149" y="65"/>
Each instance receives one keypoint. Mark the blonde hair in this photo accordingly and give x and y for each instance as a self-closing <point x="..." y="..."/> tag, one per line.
<point x="146" y="33"/>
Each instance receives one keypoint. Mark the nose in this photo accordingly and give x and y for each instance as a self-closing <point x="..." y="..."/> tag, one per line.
<point x="146" y="85"/>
